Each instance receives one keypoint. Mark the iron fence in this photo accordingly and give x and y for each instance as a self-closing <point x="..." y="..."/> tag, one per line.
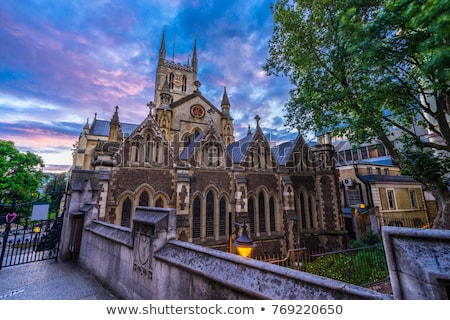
<point x="25" y="241"/>
<point x="363" y="266"/>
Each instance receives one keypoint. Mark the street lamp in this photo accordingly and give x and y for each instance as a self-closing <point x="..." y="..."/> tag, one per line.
<point x="244" y="245"/>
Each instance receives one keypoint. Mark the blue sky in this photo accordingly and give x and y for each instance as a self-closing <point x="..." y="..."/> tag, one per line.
<point x="63" y="61"/>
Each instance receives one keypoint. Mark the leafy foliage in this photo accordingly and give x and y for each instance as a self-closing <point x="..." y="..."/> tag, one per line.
<point x="361" y="267"/>
<point x="365" y="69"/>
<point x="20" y="173"/>
<point x="369" y="238"/>
<point x="55" y="189"/>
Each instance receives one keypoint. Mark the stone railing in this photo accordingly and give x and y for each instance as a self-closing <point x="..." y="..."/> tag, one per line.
<point x="146" y="262"/>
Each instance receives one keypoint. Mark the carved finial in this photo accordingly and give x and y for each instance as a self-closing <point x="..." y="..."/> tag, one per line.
<point x="257" y="118"/>
<point x="197" y="84"/>
<point x="150" y="106"/>
<point x="249" y="132"/>
<point x="211" y="113"/>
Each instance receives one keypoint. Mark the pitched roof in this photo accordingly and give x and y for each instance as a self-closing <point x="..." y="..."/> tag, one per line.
<point x="238" y="149"/>
<point x="101" y="128"/>
<point x="373" y="178"/>
<point x="283" y="151"/>
<point x="187" y="151"/>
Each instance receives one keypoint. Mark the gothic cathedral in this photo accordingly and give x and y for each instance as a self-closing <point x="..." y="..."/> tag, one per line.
<point x="184" y="155"/>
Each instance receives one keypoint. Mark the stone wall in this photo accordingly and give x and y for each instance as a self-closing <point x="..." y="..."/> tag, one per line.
<point x="146" y="262"/>
<point x="419" y="262"/>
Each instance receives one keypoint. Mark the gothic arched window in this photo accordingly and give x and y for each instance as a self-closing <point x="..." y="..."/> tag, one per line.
<point x="196" y="217"/>
<point x="272" y="214"/>
<point x="157" y="150"/>
<point x="311" y="211"/>
<point x="136" y="151"/>
<point x="210" y="214"/>
<point x="251" y="213"/>
<point x="126" y="213"/>
<point x="261" y="212"/>
<point x="222" y="217"/>
<point x="187" y="140"/>
<point x="302" y="211"/>
<point x="184" y="85"/>
<point x="144" y="199"/>
<point x="147" y="149"/>
<point x="159" y="203"/>
<point x="171" y="76"/>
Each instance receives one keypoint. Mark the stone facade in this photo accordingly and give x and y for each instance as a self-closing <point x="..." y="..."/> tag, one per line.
<point x="184" y="156"/>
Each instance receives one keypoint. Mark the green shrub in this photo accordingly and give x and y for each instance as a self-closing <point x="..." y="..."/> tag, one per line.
<point x="360" y="267"/>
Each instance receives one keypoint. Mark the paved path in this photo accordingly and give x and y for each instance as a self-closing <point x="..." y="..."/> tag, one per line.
<point x="50" y="280"/>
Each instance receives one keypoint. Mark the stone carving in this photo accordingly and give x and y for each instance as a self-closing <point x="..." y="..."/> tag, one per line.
<point x="143" y="252"/>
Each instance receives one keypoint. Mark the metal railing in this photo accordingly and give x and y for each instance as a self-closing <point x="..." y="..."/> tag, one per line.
<point x="361" y="266"/>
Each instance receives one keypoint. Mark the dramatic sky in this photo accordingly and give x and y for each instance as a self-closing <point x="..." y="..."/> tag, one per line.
<point x="63" y="61"/>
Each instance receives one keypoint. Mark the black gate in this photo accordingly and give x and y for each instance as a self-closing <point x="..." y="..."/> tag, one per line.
<point x="24" y="241"/>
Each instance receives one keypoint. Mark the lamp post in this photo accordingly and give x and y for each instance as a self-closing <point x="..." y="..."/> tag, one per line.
<point x="243" y="244"/>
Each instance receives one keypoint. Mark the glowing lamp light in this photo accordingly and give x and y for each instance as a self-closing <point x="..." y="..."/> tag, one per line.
<point x="244" y="245"/>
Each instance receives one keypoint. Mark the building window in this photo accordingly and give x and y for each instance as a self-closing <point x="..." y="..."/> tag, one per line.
<point x="381" y="150"/>
<point x="348" y="155"/>
<point x="391" y="199"/>
<point x="353" y="197"/>
<point x="147" y="149"/>
<point x="171" y="76"/>
<point x="378" y="171"/>
<point x="222" y="217"/>
<point x="355" y="155"/>
<point x="251" y="213"/>
<point x="311" y="212"/>
<point x="364" y="154"/>
<point x="184" y="85"/>
<point x="213" y="155"/>
<point x="159" y="203"/>
<point x="126" y="213"/>
<point x="369" y="170"/>
<point x="136" y="152"/>
<point x="143" y="199"/>
<point x="261" y="212"/>
<point x="272" y="214"/>
<point x="386" y="171"/>
<point x="187" y="140"/>
<point x="196" y="218"/>
<point x="302" y="211"/>
<point x="210" y="214"/>
<point x="157" y="150"/>
<point x="372" y="151"/>
<point x="412" y="198"/>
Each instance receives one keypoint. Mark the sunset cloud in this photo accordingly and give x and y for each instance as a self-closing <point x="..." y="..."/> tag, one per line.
<point x="62" y="62"/>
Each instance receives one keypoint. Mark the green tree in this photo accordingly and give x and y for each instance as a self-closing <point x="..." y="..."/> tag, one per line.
<point x="55" y="189"/>
<point x="20" y="173"/>
<point x="362" y="68"/>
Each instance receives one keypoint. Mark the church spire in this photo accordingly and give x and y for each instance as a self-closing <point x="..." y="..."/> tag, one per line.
<point x="115" y="117"/>
<point x="114" y="126"/>
<point x="194" y="57"/>
<point x="225" y="103"/>
<point x="162" y="48"/>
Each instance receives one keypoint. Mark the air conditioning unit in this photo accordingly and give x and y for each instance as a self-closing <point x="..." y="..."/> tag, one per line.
<point x="348" y="182"/>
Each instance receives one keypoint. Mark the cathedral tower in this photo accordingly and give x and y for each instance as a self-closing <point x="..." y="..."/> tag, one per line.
<point x="181" y="78"/>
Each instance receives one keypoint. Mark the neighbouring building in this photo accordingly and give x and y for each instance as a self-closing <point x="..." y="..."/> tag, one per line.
<point x="375" y="193"/>
<point x="184" y="155"/>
